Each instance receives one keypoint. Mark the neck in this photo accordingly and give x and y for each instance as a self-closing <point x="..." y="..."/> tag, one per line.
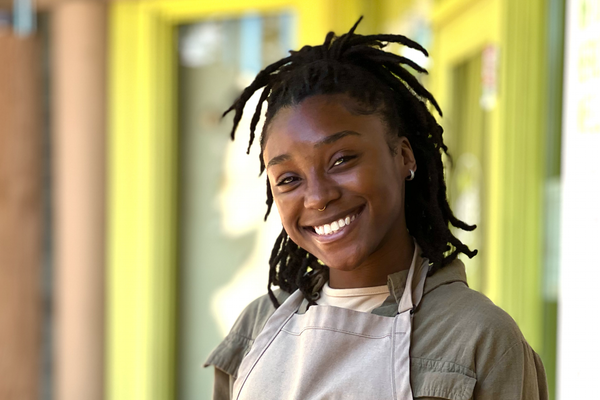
<point x="375" y="270"/>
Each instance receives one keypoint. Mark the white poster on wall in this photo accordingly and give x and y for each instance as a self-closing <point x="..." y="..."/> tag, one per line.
<point x="579" y="301"/>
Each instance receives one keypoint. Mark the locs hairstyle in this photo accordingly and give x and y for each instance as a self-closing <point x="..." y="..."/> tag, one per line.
<point x="378" y="81"/>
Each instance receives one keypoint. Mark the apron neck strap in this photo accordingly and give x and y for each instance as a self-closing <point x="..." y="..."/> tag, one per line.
<point x="412" y="294"/>
<point x="291" y="304"/>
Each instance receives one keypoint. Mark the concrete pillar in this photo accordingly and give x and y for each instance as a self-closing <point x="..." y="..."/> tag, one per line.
<point x="78" y="41"/>
<point x="20" y="216"/>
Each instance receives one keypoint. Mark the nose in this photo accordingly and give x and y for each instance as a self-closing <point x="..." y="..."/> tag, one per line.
<point x="320" y="191"/>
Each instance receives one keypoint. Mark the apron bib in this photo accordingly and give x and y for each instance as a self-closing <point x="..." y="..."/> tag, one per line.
<point x="331" y="352"/>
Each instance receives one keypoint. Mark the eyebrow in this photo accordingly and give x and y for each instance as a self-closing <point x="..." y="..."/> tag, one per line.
<point x="278" y="160"/>
<point x="335" y="137"/>
<point x="326" y="140"/>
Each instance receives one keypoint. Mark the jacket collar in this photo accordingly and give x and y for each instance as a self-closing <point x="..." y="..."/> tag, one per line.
<point x="453" y="272"/>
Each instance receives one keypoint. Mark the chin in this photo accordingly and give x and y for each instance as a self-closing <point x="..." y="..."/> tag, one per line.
<point x="346" y="264"/>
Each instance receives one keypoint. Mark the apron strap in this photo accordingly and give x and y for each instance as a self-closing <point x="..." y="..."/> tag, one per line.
<point x="279" y="318"/>
<point x="408" y="302"/>
<point x="290" y="305"/>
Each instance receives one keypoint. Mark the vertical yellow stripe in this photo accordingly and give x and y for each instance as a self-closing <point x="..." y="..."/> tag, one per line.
<point x="522" y="102"/>
<point x="142" y="172"/>
<point x="121" y="295"/>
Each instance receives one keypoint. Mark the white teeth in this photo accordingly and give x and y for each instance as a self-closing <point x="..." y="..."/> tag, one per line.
<point x="335" y="226"/>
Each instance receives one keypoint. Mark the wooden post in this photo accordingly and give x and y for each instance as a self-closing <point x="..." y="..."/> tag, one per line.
<point x="20" y="217"/>
<point x="78" y="87"/>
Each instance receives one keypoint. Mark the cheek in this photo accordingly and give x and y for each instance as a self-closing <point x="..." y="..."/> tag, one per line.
<point x="376" y="181"/>
<point x="384" y="189"/>
<point x="288" y="214"/>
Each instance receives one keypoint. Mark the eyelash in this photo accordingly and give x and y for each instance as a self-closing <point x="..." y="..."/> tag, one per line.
<point x="335" y="164"/>
<point x="283" y="181"/>
<point x="345" y="158"/>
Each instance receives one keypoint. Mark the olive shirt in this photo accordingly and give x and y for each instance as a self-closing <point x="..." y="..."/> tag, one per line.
<point x="462" y="345"/>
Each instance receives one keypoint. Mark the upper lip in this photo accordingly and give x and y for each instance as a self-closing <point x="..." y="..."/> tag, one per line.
<point x="334" y="217"/>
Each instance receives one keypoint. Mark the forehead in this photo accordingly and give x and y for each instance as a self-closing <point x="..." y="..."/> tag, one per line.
<point x="317" y="117"/>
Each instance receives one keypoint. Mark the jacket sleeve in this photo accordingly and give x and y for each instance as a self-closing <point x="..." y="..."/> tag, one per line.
<point x="517" y="375"/>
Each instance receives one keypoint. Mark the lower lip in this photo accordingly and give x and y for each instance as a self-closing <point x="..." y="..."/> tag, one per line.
<point x="340" y="233"/>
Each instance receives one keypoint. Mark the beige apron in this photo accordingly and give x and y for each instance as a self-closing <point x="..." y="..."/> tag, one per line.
<point x="331" y="352"/>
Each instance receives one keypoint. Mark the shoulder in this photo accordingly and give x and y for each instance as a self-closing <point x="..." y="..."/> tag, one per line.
<point x="450" y="308"/>
<point x="459" y="330"/>
<point x="228" y="355"/>
<point x="465" y="323"/>
<point x="466" y="311"/>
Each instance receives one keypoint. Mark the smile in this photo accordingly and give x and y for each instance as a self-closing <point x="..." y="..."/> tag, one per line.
<point x="337" y="228"/>
<point x="334" y="226"/>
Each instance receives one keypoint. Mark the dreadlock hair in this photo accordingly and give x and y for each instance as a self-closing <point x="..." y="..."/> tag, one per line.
<point x="378" y="81"/>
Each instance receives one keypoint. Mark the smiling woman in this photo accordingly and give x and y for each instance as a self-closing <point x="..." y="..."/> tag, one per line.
<point x="353" y="159"/>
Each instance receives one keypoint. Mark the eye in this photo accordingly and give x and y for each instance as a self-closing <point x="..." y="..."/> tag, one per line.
<point x="343" y="160"/>
<point x="286" y="181"/>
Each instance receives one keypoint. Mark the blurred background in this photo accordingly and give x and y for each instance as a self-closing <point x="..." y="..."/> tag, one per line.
<point x="131" y="227"/>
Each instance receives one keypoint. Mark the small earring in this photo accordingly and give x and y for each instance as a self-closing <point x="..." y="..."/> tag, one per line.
<point x="412" y="175"/>
<point x="322" y="209"/>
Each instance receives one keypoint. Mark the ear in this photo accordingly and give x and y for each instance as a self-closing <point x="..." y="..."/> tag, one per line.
<point x="405" y="158"/>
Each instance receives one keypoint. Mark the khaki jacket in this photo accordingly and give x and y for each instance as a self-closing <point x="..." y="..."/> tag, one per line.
<point x="462" y="347"/>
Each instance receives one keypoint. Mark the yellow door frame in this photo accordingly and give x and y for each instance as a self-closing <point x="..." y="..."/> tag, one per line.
<point x="514" y="178"/>
<point x="142" y="177"/>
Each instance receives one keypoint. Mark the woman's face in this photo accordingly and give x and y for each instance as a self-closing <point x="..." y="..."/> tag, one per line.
<point x="319" y="154"/>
